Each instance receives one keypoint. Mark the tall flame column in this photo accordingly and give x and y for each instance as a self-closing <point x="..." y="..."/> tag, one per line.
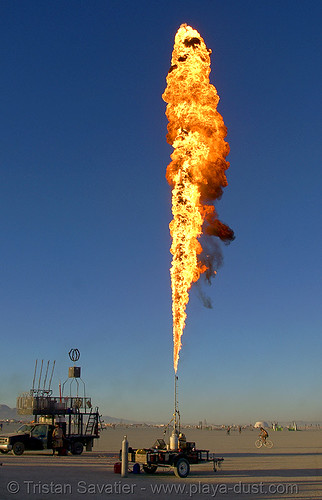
<point x="197" y="170"/>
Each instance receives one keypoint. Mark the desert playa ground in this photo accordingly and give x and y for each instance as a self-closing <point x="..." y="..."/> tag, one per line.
<point x="292" y="469"/>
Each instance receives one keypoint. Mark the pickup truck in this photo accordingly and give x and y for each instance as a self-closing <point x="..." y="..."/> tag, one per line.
<point x="38" y="436"/>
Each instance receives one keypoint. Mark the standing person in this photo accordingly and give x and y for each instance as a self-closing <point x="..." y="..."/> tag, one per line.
<point x="228" y="430"/>
<point x="57" y="439"/>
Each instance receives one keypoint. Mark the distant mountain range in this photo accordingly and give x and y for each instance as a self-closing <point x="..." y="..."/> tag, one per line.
<point x="113" y="420"/>
<point x="8" y="413"/>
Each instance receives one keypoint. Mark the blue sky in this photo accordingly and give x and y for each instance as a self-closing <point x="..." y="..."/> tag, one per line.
<point x="85" y="207"/>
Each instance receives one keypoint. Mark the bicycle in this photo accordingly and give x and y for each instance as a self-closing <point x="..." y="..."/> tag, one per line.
<point x="260" y="442"/>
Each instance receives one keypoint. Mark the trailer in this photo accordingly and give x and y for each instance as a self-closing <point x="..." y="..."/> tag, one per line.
<point x="178" y="455"/>
<point x="179" y="460"/>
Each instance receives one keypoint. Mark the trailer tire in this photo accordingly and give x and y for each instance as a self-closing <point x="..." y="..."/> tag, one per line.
<point x="150" y="469"/>
<point x="182" y="468"/>
<point x="77" y="448"/>
<point x="18" y="448"/>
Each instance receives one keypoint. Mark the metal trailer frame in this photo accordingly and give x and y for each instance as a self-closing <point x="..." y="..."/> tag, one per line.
<point x="150" y="459"/>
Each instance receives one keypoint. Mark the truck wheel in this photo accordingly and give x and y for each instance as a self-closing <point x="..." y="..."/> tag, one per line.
<point x="182" y="468"/>
<point x="77" y="448"/>
<point x="149" y="469"/>
<point x="18" y="448"/>
<point x="4" y="451"/>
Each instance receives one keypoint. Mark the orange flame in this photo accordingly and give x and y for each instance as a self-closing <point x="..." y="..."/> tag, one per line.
<point x="197" y="172"/>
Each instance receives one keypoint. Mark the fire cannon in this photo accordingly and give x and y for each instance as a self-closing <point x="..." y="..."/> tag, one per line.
<point x="178" y="455"/>
<point x="179" y="460"/>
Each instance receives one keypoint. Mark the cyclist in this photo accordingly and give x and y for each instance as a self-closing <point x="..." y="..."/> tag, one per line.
<point x="263" y="435"/>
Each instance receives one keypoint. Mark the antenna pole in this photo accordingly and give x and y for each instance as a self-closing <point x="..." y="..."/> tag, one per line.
<point x="33" y="382"/>
<point x="52" y="373"/>
<point x="42" y="362"/>
<point x="44" y="388"/>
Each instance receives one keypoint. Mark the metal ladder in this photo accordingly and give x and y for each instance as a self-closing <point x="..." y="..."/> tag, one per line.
<point x="91" y="422"/>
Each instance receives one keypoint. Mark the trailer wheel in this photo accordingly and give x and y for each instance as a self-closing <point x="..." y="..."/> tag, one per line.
<point x="150" y="469"/>
<point x="4" y="451"/>
<point x="18" y="448"/>
<point x="77" y="448"/>
<point x="182" y="468"/>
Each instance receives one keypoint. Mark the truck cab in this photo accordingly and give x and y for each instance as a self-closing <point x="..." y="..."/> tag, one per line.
<point x="35" y="436"/>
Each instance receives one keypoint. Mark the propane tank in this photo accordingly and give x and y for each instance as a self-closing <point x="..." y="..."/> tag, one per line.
<point x="125" y="457"/>
<point x="174" y="440"/>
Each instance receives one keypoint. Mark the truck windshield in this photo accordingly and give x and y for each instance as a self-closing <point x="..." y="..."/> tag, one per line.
<point x="25" y="428"/>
